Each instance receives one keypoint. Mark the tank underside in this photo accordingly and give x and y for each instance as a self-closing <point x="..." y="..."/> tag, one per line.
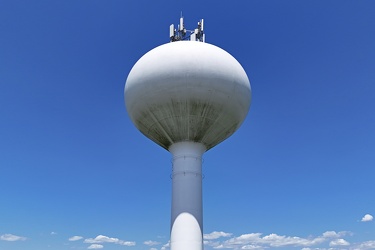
<point x="188" y="120"/>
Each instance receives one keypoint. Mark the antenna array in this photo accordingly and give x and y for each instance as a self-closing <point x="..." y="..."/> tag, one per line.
<point x="182" y="34"/>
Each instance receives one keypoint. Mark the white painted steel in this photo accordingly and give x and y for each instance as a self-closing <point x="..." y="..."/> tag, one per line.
<point x="187" y="91"/>
<point x="187" y="214"/>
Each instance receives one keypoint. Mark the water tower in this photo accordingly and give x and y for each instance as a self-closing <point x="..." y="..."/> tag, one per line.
<point x="187" y="96"/>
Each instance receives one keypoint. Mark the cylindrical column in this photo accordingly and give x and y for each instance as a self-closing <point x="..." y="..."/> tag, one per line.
<point x="187" y="210"/>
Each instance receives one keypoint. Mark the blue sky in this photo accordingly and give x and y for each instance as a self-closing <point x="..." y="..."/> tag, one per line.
<point x="76" y="174"/>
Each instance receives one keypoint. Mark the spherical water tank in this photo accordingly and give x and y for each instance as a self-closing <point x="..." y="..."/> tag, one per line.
<point x="187" y="91"/>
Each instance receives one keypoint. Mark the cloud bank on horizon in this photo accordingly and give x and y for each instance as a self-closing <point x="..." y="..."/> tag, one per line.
<point x="331" y="240"/>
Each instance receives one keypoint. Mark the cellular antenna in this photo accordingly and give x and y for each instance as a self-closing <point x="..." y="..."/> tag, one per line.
<point x="182" y="34"/>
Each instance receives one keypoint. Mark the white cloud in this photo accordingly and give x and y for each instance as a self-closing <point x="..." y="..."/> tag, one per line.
<point x="257" y="241"/>
<point x="151" y="243"/>
<point x="367" y="245"/>
<point x="252" y="247"/>
<point x="320" y="248"/>
<point x="329" y="240"/>
<point x="215" y="235"/>
<point x="339" y="242"/>
<point x="75" y="238"/>
<point x="53" y="233"/>
<point x="95" y="246"/>
<point x="330" y="234"/>
<point x="367" y="217"/>
<point x="165" y="246"/>
<point x="101" y="239"/>
<point x="106" y="239"/>
<point x="11" y="237"/>
<point x="244" y="239"/>
<point x="275" y="240"/>
<point x="127" y="243"/>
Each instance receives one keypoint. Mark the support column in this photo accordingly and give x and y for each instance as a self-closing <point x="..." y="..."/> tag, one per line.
<point x="187" y="210"/>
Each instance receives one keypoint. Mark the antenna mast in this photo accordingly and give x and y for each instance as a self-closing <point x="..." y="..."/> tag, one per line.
<point x="182" y="34"/>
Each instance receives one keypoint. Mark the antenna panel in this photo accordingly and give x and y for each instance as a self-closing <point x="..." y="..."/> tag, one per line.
<point x="193" y="37"/>
<point x="181" y="24"/>
<point x="171" y="31"/>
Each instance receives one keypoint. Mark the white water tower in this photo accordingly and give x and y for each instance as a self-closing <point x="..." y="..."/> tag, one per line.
<point x="187" y="96"/>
